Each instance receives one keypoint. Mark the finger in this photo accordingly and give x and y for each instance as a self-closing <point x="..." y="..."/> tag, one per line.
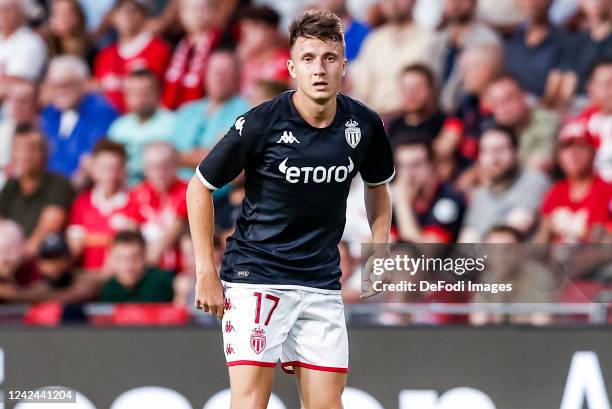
<point x="205" y="307"/>
<point x="217" y="311"/>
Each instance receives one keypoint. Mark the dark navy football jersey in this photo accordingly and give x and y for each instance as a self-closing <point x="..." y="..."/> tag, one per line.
<point x="297" y="179"/>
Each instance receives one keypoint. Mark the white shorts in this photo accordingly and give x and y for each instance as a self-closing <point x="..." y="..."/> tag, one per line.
<point x="262" y="326"/>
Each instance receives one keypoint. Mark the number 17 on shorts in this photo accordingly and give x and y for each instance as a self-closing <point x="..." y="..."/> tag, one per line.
<point x="296" y="327"/>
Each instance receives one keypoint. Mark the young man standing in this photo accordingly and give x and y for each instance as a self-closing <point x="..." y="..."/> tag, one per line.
<point x="279" y="292"/>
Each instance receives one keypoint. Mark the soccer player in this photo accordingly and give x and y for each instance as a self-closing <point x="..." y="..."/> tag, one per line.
<point x="279" y="291"/>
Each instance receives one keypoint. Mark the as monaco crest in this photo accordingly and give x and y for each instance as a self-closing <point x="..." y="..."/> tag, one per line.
<point x="352" y="133"/>
<point x="258" y="340"/>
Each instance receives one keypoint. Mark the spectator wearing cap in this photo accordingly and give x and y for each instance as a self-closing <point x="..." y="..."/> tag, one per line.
<point x="200" y="124"/>
<point x="23" y="53"/>
<point x="425" y="210"/>
<point x="536" y="47"/>
<point x="386" y="51"/>
<point x="37" y="200"/>
<point x="355" y="31"/>
<point x="58" y="281"/>
<point x="184" y="79"/>
<point x="261" y="56"/>
<point x="536" y="127"/>
<point x="66" y="33"/>
<point x="21" y="109"/>
<point x="17" y="271"/>
<point x="132" y="280"/>
<point x="99" y="213"/>
<point x="420" y="119"/>
<point x="510" y="196"/>
<point x="459" y="30"/>
<point x="75" y="119"/>
<point x="576" y="208"/>
<point x="598" y="115"/>
<point x="145" y="123"/>
<point x="159" y="206"/>
<point x="135" y="49"/>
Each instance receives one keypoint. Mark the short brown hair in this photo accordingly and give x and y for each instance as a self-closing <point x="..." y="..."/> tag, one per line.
<point x="321" y="24"/>
<point x="129" y="237"/>
<point x="424" y="71"/>
<point x="106" y="145"/>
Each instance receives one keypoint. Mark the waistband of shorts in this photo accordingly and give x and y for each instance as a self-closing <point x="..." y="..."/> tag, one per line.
<point x="280" y="287"/>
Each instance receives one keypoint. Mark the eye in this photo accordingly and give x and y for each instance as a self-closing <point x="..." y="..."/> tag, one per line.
<point x="307" y="59"/>
<point x="331" y="58"/>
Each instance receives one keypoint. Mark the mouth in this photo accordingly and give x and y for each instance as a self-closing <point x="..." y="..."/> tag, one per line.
<point x="320" y="84"/>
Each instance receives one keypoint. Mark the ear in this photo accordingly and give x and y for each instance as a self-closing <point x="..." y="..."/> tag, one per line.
<point x="344" y="66"/>
<point x="291" y="68"/>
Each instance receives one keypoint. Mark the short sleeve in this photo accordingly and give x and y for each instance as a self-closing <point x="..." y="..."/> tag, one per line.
<point x="231" y="154"/>
<point x="61" y="193"/>
<point x="377" y="166"/>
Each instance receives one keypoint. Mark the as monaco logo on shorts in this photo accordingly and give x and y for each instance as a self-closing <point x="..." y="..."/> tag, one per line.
<point x="258" y="340"/>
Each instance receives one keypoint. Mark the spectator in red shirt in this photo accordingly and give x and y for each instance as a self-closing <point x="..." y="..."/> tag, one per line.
<point x="158" y="205"/>
<point x="262" y="58"/>
<point x="136" y="49"/>
<point x="185" y="75"/>
<point x="577" y="208"/>
<point x="102" y="211"/>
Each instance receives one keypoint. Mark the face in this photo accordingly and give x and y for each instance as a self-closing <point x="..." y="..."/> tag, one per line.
<point x="65" y="89"/>
<point x="496" y="156"/>
<point x="28" y="156"/>
<point x="576" y="159"/>
<point x="64" y="19"/>
<point x="335" y="6"/>
<point x="396" y="10"/>
<point x="535" y="9"/>
<point x="196" y="15"/>
<point x="160" y="167"/>
<point x="21" y="101"/>
<point x="595" y="8"/>
<point x="11" y="16"/>
<point x="53" y="268"/>
<point x="141" y="95"/>
<point x="129" y="19"/>
<point x="318" y="67"/>
<point x="256" y="36"/>
<point x="459" y="11"/>
<point x="417" y="95"/>
<point x="600" y="88"/>
<point x="108" y="171"/>
<point x="508" y="103"/>
<point x="221" y="76"/>
<point x="413" y="165"/>
<point x="478" y="70"/>
<point x="128" y="262"/>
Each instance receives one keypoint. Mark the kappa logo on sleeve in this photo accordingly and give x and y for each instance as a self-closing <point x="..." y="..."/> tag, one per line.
<point x="239" y="125"/>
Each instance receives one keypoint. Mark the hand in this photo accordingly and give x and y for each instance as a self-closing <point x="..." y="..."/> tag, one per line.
<point x="368" y="278"/>
<point x="209" y="294"/>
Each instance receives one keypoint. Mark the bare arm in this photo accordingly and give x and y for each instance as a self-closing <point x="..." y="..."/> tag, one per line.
<point x="209" y="291"/>
<point x="51" y="220"/>
<point x="378" y="207"/>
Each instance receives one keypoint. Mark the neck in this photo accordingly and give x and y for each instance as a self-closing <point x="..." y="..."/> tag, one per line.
<point x="317" y="114"/>
<point x="415" y="118"/>
<point x="128" y="37"/>
<point x="108" y="191"/>
<point x="502" y="183"/>
<point x="146" y="115"/>
<point x="581" y="180"/>
<point x="29" y="182"/>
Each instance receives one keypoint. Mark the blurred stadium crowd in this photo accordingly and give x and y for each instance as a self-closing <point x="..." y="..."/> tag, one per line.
<point x="499" y="113"/>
